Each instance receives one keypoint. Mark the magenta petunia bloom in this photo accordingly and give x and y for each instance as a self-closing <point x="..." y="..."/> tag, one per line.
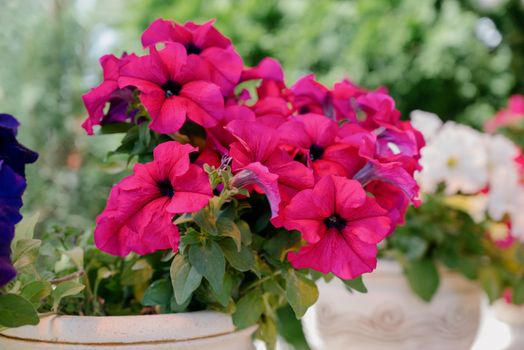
<point x="140" y="209"/>
<point x="107" y="92"/>
<point x="171" y="88"/>
<point x="341" y="225"/>
<point x="318" y="139"/>
<point x="204" y="45"/>
<point x="262" y="146"/>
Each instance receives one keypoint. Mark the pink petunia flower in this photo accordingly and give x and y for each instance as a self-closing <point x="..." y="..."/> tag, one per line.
<point x="204" y="45"/>
<point x="140" y="209"/>
<point x="262" y="146"/>
<point x="318" y="139"/>
<point x="341" y="226"/>
<point x="171" y="88"/>
<point x="108" y="92"/>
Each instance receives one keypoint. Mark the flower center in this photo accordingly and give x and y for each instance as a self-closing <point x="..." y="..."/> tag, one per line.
<point x="166" y="189"/>
<point x="304" y="110"/>
<point x="336" y="222"/>
<point x="193" y="49"/>
<point x="316" y="152"/>
<point x="452" y="162"/>
<point x="171" y="88"/>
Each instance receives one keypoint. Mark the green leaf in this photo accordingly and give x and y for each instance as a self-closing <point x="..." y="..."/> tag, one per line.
<point x="139" y="273"/>
<point x="191" y="236"/>
<point x="158" y="293"/>
<point x="114" y="128"/>
<point x="491" y="283"/>
<point x="283" y="242"/>
<point x="518" y="292"/>
<point x="184" y="278"/>
<point x="209" y="261"/>
<point x="206" y="219"/>
<point x="356" y="284"/>
<point x="245" y="232"/>
<point x="267" y="331"/>
<point x="65" y="289"/>
<point x="16" y="311"/>
<point x="291" y="329"/>
<point x="423" y="278"/>
<point x="242" y="260"/>
<point x="227" y="227"/>
<point x="301" y="292"/>
<point x="248" y="309"/>
<point x="25" y="252"/>
<point x="35" y="291"/>
<point x="25" y="229"/>
<point x="224" y="297"/>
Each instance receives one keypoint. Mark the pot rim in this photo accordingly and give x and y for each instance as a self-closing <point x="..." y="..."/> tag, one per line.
<point x="131" y="329"/>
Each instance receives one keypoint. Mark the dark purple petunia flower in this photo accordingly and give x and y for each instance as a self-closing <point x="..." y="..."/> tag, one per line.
<point x="15" y="155"/>
<point x="13" y="158"/>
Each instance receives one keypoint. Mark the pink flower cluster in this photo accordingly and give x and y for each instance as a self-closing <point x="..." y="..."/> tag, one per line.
<point x="335" y="163"/>
<point x="507" y="117"/>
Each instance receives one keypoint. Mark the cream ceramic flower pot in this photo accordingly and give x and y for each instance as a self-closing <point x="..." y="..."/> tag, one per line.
<point x="185" y="331"/>
<point x="391" y="317"/>
<point x="513" y="316"/>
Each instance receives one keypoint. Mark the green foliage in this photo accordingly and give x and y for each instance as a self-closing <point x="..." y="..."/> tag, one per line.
<point x="16" y="311"/>
<point x="436" y="235"/>
<point x="423" y="278"/>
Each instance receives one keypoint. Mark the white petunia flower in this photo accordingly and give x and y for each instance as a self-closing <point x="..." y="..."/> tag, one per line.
<point x="457" y="157"/>
<point x="427" y="123"/>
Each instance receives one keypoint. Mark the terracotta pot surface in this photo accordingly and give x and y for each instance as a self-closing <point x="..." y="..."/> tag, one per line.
<point x="184" y="331"/>
<point x="391" y="317"/>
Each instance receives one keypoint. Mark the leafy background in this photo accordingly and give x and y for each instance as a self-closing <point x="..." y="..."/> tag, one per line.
<point x="458" y="58"/>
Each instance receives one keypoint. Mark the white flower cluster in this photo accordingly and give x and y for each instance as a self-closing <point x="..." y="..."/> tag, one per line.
<point x="468" y="162"/>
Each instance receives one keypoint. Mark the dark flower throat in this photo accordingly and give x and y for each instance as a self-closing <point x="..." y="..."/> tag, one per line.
<point x="316" y="152"/>
<point x="166" y="189"/>
<point x="193" y="49"/>
<point x="171" y="88"/>
<point x="336" y="222"/>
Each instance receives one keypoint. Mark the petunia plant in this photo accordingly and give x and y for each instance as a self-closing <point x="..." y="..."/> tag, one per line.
<point x="244" y="184"/>
<point x="243" y="189"/>
<point x="472" y="220"/>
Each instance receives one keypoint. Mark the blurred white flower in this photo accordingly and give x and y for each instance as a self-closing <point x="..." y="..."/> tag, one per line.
<point x="456" y="156"/>
<point x="427" y="123"/>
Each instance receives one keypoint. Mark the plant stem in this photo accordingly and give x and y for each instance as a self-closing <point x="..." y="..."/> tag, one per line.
<point x="262" y="280"/>
<point x="67" y="277"/>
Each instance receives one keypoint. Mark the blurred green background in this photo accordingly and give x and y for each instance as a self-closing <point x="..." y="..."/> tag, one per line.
<point x="458" y="58"/>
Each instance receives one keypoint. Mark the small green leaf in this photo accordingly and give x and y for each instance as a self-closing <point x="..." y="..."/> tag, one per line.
<point x="356" y="284"/>
<point x="209" y="261"/>
<point x="184" y="278"/>
<point x="518" y="292"/>
<point x="139" y="273"/>
<point x="227" y="227"/>
<point x="25" y="252"/>
<point x="283" y="242"/>
<point x="242" y="260"/>
<point x="191" y="236"/>
<point x="291" y="329"/>
<point x="65" y="289"/>
<point x="267" y="331"/>
<point x="35" y="291"/>
<point x="301" y="292"/>
<point x="25" y="229"/>
<point x="16" y="311"/>
<point x="206" y="219"/>
<point x="245" y="232"/>
<point x="423" y="278"/>
<point x="158" y="293"/>
<point x="224" y="297"/>
<point x="248" y="309"/>
<point x="491" y="283"/>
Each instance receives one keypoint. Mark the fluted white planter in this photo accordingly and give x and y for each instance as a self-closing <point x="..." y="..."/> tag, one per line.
<point x="185" y="331"/>
<point x="513" y="316"/>
<point x="391" y="317"/>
